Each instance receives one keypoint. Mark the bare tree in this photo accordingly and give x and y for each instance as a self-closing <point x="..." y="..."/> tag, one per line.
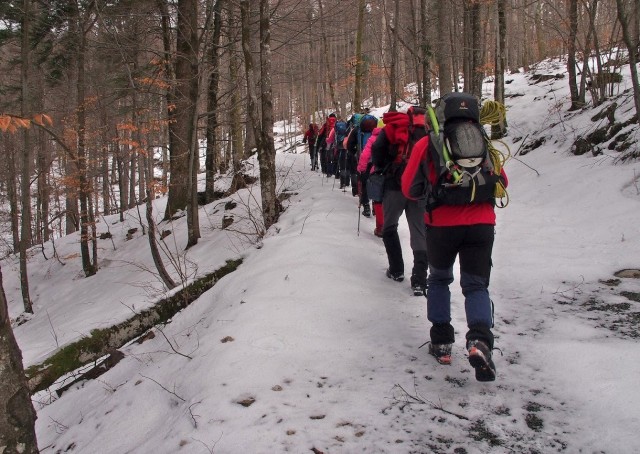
<point x="25" y="186"/>
<point x="359" y="64"/>
<point x="498" y="130"/>
<point x="443" y="49"/>
<point x="629" y="17"/>
<point x="17" y="416"/>
<point x="572" y="9"/>
<point x="212" y="103"/>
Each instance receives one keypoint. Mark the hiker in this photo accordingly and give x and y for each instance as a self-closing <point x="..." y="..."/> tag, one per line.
<point x="310" y="136"/>
<point x="460" y="223"/>
<point x="335" y="142"/>
<point x="365" y="168"/>
<point x="389" y="153"/>
<point x="321" y="141"/>
<point x="364" y="124"/>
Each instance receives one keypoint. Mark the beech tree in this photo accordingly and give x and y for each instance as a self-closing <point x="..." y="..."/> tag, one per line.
<point x="17" y="415"/>
<point x="629" y="17"/>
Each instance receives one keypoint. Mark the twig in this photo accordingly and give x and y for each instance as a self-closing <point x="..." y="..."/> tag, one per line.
<point x="171" y="345"/>
<point x="59" y="427"/>
<point x="195" y="422"/>
<point x="419" y="400"/>
<point x="109" y="232"/>
<point x="304" y="221"/>
<point x="522" y="162"/>
<point x="575" y="289"/>
<point x="162" y="386"/>
<point x="130" y="308"/>
<point x="53" y="331"/>
<point x="521" y="145"/>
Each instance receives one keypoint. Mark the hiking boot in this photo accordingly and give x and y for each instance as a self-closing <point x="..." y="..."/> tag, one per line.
<point x="398" y="277"/>
<point x="442" y="352"/>
<point x="366" y="211"/>
<point x="377" y="232"/>
<point x="418" y="289"/>
<point x="418" y="286"/>
<point x="480" y="360"/>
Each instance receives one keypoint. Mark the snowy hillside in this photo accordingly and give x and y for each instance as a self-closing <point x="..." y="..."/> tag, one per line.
<point x="308" y="347"/>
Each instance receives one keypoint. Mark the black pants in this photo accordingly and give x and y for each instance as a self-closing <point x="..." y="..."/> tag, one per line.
<point x="314" y="156"/>
<point x="472" y="244"/>
<point x="394" y="204"/>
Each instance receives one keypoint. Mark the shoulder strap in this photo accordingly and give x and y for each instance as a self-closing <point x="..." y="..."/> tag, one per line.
<point x="437" y="137"/>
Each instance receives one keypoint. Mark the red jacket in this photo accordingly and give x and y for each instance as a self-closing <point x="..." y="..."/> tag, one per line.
<point x="444" y="215"/>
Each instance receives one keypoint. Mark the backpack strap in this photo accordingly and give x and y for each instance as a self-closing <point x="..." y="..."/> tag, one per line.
<point x="437" y="137"/>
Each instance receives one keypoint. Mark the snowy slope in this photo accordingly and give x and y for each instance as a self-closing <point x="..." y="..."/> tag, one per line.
<point x="327" y="347"/>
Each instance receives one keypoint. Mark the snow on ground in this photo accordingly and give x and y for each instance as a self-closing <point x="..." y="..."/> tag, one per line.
<point x="308" y="346"/>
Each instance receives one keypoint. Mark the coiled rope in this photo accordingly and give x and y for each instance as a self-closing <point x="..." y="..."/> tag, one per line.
<point x="494" y="113"/>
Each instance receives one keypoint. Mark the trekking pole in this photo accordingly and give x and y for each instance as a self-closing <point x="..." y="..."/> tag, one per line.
<point x="359" y="214"/>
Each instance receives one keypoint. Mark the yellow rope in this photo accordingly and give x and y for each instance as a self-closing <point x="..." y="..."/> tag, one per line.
<point x="494" y="113"/>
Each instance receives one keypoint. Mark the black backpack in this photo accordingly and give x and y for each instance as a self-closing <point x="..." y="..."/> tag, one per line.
<point x="458" y="148"/>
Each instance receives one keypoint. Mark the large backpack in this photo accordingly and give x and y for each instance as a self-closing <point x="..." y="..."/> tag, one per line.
<point x="417" y="131"/>
<point x="342" y="129"/>
<point x="365" y="127"/>
<point x="459" y="151"/>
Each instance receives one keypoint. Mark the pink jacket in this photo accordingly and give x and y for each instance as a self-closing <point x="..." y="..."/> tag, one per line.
<point x="331" y="137"/>
<point x="365" y="156"/>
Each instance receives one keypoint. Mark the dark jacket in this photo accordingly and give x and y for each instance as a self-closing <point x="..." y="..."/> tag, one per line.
<point x="384" y="151"/>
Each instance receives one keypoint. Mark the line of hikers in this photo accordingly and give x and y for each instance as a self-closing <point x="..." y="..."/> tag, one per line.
<point x="439" y="168"/>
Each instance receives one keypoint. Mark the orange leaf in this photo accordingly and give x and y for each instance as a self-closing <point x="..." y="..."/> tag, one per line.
<point x="23" y="122"/>
<point x="5" y="121"/>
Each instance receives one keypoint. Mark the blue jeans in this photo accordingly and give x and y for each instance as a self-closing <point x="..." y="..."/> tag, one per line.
<point x="473" y="245"/>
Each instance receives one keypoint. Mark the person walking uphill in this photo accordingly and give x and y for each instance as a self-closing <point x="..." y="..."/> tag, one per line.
<point x="389" y="153"/>
<point x="458" y="179"/>
<point x="321" y="141"/>
<point x="310" y="136"/>
<point x="365" y="167"/>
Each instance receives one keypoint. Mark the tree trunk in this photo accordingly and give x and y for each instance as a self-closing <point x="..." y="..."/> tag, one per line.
<point x="467" y="39"/>
<point x="425" y="56"/>
<point x="180" y="119"/>
<point x="151" y="224"/>
<point x="165" y="22"/>
<point x="132" y="158"/>
<point x="443" y="49"/>
<point x="540" y="38"/>
<point x="393" y="68"/>
<point x="17" y="415"/>
<point x="498" y="131"/>
<point x="631" y="39"/>
<point x="25" y="181"/>
<point x="267" y="154"/>
<point x="43" y="167"/>
<point x="12" y="193"/>
<point x="327" y="61"/>
<point x="236" y="150"/>
<point x="252" y="102"/>
<point x="477" y="73"/>
<point x="211" y="161"/>
<point x="359" y="69"/>
<point x="572" y="10"/>
<point x="84" y="191"/>
<point x="190" y="112"/>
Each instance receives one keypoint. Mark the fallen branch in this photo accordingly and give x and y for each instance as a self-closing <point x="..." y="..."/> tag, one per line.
<point x="417" y="399"/>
